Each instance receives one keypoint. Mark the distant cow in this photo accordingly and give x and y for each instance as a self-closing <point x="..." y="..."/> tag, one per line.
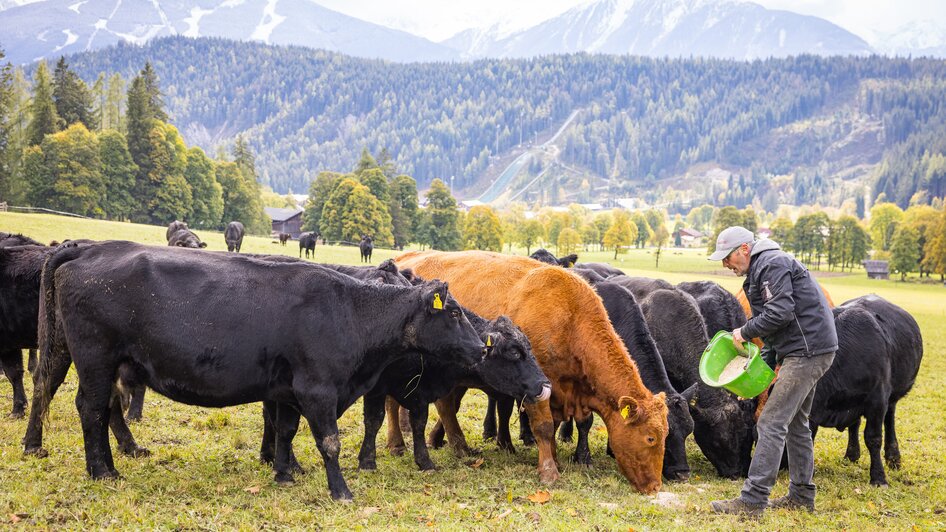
<point x="366" y="248"/>
<point x="284" y="237"/>
<point x="544" y="255"/>
<point x="185" y="238"/>
<point x="234" y="236"/>
<point x="317" y="365"/>
<point x="880" y="349"/>
<point x="307" y="243"/>
<point x="174" y="227"/>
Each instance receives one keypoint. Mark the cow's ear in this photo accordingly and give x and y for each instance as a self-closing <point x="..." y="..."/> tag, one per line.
<point x="436" y="296"/>
<point x="629" y="409"/>
<point x="203" y="244"/>
<point x="690" y="394"/>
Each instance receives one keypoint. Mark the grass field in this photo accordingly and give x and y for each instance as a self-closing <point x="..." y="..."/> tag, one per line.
<point x="204" y="471"/>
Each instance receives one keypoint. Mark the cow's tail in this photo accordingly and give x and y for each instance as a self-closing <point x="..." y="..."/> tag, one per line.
<point x="51" y="354"/>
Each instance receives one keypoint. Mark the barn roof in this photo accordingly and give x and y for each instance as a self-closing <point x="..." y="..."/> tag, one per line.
<point x="282" y="215"/>
<point x="876" y="266"/>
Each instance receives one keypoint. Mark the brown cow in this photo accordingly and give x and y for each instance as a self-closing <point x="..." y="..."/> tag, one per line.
<point x="578" y="349"/>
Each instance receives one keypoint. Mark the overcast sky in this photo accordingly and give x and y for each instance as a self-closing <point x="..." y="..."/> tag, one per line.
<point x="439" y="19"/>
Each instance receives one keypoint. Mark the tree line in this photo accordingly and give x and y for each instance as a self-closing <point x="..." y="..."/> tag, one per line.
<point x="107" y="152"/>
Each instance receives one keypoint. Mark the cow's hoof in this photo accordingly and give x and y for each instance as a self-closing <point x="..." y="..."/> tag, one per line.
<point x="132" y="419"/>
<point x="38" y="452"/>
<point x="583" y="459"/>
<point x="489" y="434"/>
<point x="528" y="441"/>
<point x="284" y="479"/>
<point x="108" y="474"/>
<point x="344" y="497"/>
<point x="462" y="451"/>
<point x="879" y="482"/>
<point x="548" y="474"/>
<point x="506" y="446"/>
<point x="435" y="443"/>
<point x="893" y="462"/>
<point x="296" y="469"/>
<point x="136" y="452"/>
<point x="267" y="459"/>
<point x="853" y="457"/>
<point x="367" y="465"/>
<point x="17" y="414"/>
<point x="397" y="450"/>
<point x="429" y="465"/>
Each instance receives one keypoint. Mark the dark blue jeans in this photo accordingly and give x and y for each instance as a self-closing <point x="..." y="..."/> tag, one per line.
<point x="784" y="424"/>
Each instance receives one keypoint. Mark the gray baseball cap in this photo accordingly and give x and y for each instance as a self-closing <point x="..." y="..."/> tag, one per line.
<point x="730" y="239"/>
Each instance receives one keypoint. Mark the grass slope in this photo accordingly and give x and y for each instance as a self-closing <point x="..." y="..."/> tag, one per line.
<point x="204" y="472"/>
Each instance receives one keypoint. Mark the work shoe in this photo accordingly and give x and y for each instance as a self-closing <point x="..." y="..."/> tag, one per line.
<point x="738" y="507"/>
<point x="790" y="503"/>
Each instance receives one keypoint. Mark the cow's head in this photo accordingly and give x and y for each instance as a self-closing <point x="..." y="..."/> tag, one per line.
<point x="509" y="366"/>
<point x="637" y="430"/>
<point x="184" y="238"/>
<point x="389" y="274"/>
<point x="723" y="430"/>
<point x="441" y="329"/>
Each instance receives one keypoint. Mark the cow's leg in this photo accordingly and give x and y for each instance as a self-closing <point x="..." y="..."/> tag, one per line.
<point x="566" y="430"/>
<point x="873" y="438"/>
<point x="853" y="452"/>
<point x="504" y="407"/>
<point x="31" y="362"/>
<point x="395" y="439"/>
<point x="287" y="424"/>
<point x="12" y="361"/>
<point x="320" y="411"/>
<point x="418" y="426"/>
<point x="373" y="418"/>
<point x="446" y="407"/>
<point x="137" y="403"/>
<point x="489" y="421"/>
<point x="540" y="417"/>
<point x="126" y="440"/>
<point x="891" y="446"/>
<point x="267" y="452"/>
<point x="404" y="420"/>
<point x="49" y="377"/>
<point x="582" y="449"/>
<point x="525" y="428"/>
<point x="92" y="402"/>
<point x="437" y="436"/>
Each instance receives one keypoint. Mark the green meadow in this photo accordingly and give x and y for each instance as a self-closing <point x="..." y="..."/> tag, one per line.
<point x="204" y="471"/>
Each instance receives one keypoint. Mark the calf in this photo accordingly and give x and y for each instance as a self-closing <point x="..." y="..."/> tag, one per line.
<point x="283" y="238"/>
<point x="366" y="247"/>
<point x="307" y="243"/>
<point x="234" y="236"/>
<point x="185" y="238"/>
<point x="880" y="349"/>
<point x="317" y="365"/>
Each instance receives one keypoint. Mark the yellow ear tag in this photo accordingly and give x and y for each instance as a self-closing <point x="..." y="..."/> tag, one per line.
<point x="438" y="304"/>
<point x="489" y="341"/>
<point x="626" y="411"/>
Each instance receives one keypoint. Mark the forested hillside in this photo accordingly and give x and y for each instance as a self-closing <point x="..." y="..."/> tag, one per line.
<point x="817" y="122"/>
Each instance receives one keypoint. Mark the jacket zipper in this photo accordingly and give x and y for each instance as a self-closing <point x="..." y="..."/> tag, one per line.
<point x="803" y="337"/>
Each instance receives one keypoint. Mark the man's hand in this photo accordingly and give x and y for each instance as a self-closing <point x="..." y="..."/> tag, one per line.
<point x="737" y="337"/>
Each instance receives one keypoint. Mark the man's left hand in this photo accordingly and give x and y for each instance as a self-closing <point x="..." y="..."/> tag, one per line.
<point x="737" y="337"/>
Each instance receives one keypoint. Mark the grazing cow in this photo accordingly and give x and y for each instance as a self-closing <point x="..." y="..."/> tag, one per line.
<point x="234" y="236"/>
<point x="722" y="425"/>
<point x="720" y="309"/>
<point x="317" y="365"/>
<point x="544" y="255"/>
<point x="508" y="368"/>
<point x="174" y="227"/>
<point x="185" y="238"/>
<point x="880" y="349"/>
<point x="576" y="346"/>
<point x="307" y="243"/>
<point x="283" y="238"/>
<point x="366" y="247"/>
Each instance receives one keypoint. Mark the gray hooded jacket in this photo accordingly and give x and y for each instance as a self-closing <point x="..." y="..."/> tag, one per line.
<point x="789" y="311"/>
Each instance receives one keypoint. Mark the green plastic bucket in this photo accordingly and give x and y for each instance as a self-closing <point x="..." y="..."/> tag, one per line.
<point x="755" y="376"/>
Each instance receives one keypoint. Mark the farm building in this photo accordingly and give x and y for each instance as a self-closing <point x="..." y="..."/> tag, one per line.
<point x="286" y="220"/>
<point x="689" y="238"/>
<point x="877" y="269"/>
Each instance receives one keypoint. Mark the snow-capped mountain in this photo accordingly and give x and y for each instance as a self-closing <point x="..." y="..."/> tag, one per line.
<point x="917" y="38"/>
<point x="53" y="27"/>
<point x="675" y="28"/>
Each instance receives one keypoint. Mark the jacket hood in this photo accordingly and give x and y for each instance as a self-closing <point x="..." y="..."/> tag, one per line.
<point x="763" y="244"/>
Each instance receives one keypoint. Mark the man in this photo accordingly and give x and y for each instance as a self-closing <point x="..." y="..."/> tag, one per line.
<point x="791" y="315"/>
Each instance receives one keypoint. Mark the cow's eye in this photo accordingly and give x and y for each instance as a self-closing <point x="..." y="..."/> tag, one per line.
<point x="651" y="440"/>
<point x="455" y="314"/>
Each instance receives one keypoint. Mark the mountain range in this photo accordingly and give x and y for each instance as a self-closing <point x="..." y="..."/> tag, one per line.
<point x="731" y="29"/>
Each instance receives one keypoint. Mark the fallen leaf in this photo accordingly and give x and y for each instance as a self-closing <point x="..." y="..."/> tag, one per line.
<point x="475" y="464"/>
<point x="15" y="518"/>
<point x="252" y="489"/>
<point x="368" y="511"/>
<point x="509" y="496"/>
<point x="504" y="514"/>
<point x="540" y="497"/>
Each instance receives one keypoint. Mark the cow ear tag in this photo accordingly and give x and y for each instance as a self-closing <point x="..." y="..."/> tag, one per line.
<point x="438" y="304"/>
<point x="489" y="341"/>
<point x="626" y="411"/>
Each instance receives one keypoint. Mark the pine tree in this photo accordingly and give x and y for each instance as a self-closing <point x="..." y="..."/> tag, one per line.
<point x="15" y="189"/>
<point x="6" y="103"/>
<point x="118" y="172"/>
<point x="73" y="101"/>
<point x="98" y="95"/>
<point x="374" y="179"/>
<point x="113" y="115"/>
<point x="255" y="220"/>
<point x="45" y="119"/>
<point x="153" y="91"/>
<point x="366" y="162"/>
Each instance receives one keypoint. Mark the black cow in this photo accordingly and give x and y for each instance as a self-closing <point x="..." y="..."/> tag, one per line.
<point x="366" y="247"/>
<point x="316" y="365"/>
<point x="544" y="255"/>
<point x="8" y="240"/>
<point x="174" y="227"/>
<point x="880" y="349"/>
<point x="385" y="273"/>
<point x="307" y="243"/>
<point x="602" y="269"/>
<point x="641" y="287"/>
<point x="185" y="238"/>
<point x="722" y="425"/>
<point x="720" y="309"/>
<point x="283" y="238"/>
<point x="234" y="236"/>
